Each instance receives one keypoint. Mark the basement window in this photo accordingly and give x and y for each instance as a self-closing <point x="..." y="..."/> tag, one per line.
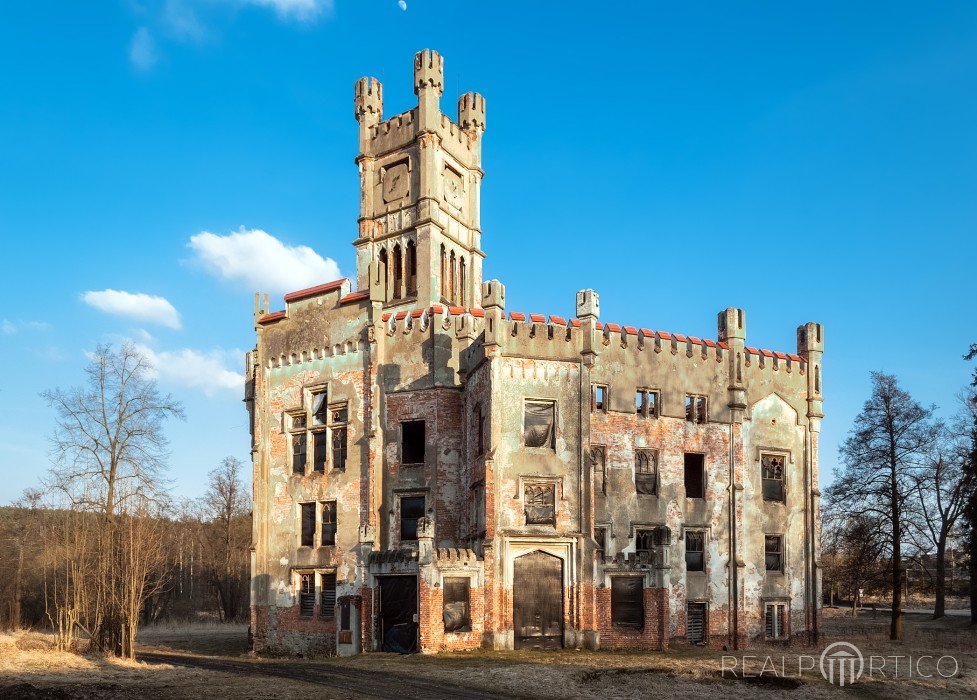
<point x="695" y="541"/>
<point x="540" y="504"/>
<point x="646" y="403"/>
<point x="412" y="442"/>
<point x="327" y="596"/>
<point x="646" y="472"/>
<point x="695" y="478"/>
<point x="695" y="408"/>
<point x="696" y="626"/>
<point x="308" y="524"/>
<point x="627" y="603"/>
<point x="456" y="612"/>
<point x="773" y="549"/>
<point x="775" y="617"/>
<point x="539" y="424"/>
<point x="411" y="510"/>
<point x="599" y="398"/>
<point x="329" y="523"/>
<point x="772" y="467"/>
<point x="307" y="595"/>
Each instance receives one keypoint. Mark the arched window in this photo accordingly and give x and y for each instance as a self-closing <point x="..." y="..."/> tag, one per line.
<point x="453" y="283"/>
<point x="461" y="283"/>
<point x="398" y="273"/>
<point x="411" y="268"/>
<point x="382" y="272"/>
<point x="444" y="273"/>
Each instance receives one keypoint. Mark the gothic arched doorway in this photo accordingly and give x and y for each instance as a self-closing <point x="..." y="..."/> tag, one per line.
<point x="537" y="601"/>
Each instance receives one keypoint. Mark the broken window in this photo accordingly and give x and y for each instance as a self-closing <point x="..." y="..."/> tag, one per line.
<point x="772" y="467"/>
<point x="775" y="617"/>
<point x="600" y="537"/>
<point x="328" y="523"/>
<point x="307" y="595"/>
<point x="540" y="500"/>
<point x="344" y="616"/>
<point x="599" y="398"/>
<point x="478" y="424"/>
<point x="457" y="609"/>
<point x="308" y="524"/>
<point x="696" y="628"/>
<point x="320" y="451"/>
<point x="539" y="427"/>
<point x="412" y="442"/>
<point x="644" y="540"/>
<point x="695" y="541"/>
<point x="598" y="460"/>
<point x="319" y="409"/>
<point x="298" y="453"/>
<point x="646" y="403"/>
<point x="773" y="547"/>
<point x="627" y="602"/>
<point x="646" y="472"/>
<point x="327" y="596"/>
<point x="338" y="418"/>
<point x="695" y="477"/>
<point x="411" y="510"/>
<point x="695" y="408"/>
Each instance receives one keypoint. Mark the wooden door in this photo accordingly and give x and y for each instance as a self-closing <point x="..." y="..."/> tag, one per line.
<point x="537" y="601"/>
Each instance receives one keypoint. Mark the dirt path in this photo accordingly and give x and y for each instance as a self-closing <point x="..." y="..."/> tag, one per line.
<point x="353" y="683"/>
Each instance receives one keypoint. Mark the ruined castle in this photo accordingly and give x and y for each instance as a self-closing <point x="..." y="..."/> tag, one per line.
<point x="434" y="471"/>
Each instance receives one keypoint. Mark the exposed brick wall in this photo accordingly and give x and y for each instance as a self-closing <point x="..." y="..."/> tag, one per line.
<point x="654" y="635"/>
<point x="430" y="615"/>
<point x="284" y="631"/>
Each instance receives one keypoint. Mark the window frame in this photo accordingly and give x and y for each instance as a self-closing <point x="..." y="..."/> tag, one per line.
<point x="696" y="409"/>
<point x="764" y="455"/>
<point x="780" y="553"/>
<point x="403" y="457"/>
<point x="327" y="612"/>
<point x="605" y="397"/>
<point x="651" y="457"/>
<point x="456" y="581"/>
<point x="336" y="428"/>
<point x="602" y="469"/>
<point x="313" y="415"/>
<point x="702" y="476"/>
<point x="332" y="508"/>
<point x="638" y="605"/>
<point x="551" y="446"/>
<point x="645" y="393"/>
<point x="777" y="622"/>
<point x="307" y="507"/>
<point x="400" y="503"/>
<point x="704" y="537"/>
<point x="294" y="433"/>
<point x="306" y="593"/>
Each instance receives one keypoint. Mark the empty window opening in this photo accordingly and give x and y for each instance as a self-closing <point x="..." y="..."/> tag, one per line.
<point x="411" y="510"/>
<point x="411" y="268"/>
<point x="598" y="461"/>
<point x="695" y="477"/>
<point x="461" y="283"/>
<point x="457" y="608"/>
<point x="539" y="427"/>
<point x="307" y="595"/>
<point x="696" y="629"/>
<point x="382" y="273"/>
<point x="308" y="524"/>
<point x="320" y="451"/>
<point x="327" y="596"/>
<point x="646" y="472"/>
<point x="478" y="423"/>
<point x="329" y="523"/>
<point x="320" y="411"/>
<point x="775" y="617"/>
<point x="817" y="379"/>
<point x="599" y="402"/>
<point x="695" y="408"/>
<point x="772" y="467"/>
<point x="412" y="442"/>
<point x="627" y="602"/>
<point x="540" y="500"/>
<point x="600" y="537"/>
<point x="646" y="403"/>
<point x="695" y="550"/>
<point x="345" y="622"/>
<point x="453" y="285"/>
<point x="773" y="547"/>
<point x="398" y="273"/>
<point x="444" y="274"/>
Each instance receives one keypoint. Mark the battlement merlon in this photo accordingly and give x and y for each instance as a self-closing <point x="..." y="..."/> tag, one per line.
<point x="428" y="86"/>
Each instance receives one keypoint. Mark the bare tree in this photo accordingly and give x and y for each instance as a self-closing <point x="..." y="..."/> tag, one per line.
<point x="109" y="450"/>
<point x="852" y="549"/>
<point x="227" y="505"/>
<point x="881" y="455"/>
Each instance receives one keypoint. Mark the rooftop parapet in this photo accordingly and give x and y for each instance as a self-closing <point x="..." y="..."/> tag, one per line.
<point x="428" y="72"/>
<point x="471" y="113"/>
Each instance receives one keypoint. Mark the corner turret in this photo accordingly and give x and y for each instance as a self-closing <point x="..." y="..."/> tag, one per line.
<point x="731" y="330"/>
<point x="471" y="113"/>
<point x="367" y="106"/>
<point x="810" y="346"/>
<point x="428" y="86"/>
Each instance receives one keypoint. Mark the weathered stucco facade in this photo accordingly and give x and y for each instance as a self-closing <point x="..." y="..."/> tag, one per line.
<point x="434" y="472"/>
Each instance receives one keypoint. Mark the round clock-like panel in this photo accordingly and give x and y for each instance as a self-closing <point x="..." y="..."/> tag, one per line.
<point x="396" y="182"/>
<point x="454" y="188"/>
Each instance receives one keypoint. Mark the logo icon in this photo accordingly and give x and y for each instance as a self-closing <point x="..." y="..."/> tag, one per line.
<point x="842" y="663"/>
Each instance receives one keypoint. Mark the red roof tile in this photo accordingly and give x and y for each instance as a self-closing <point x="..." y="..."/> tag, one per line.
<point x="631" y="330"/>
<point x="273" y="316"/>
<point x="613" y="328"/>
<point x="664" y="335"/>
<point x="575" y="322"/>
<point x="354" y="296"/>
<point x="558" y="320"/>
<point x="517" y="316"/>
<point x="766" y="353"/>
<point x="647" y="333"/>
<point x="476" y="311"/>
<point x="537" y="318"/>
<point x="313" y="291"/>
<point x="694" y="340"/>
<point x="679" y="337"/>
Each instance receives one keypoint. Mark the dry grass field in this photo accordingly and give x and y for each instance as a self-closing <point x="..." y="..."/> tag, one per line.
<point x="211" y="661"/>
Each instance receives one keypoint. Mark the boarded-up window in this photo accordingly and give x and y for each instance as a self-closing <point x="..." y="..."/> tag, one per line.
<point x="696" y="623"/>
<point x="298" y="453"/>
<point x="646" y="472"/>
<point x="598" y="460"/>
<point x="307" y="595"/>
<point x="308" y="524"/>
<point x="775" y="618"/>
<point x="457" y="608"/>
<point x="412" y="442"/>
<point x="695" y="408"/>
<point x="320" y="411"/>
<point x="320" y="451"/>
<point x="327" y="596"/>
<point x="695" y="550"/>
<point x="539" y="428"/>
<point x="773" y="477"/>
<point x="627" y="605"/>
<point x="695" y="481"/>
<point x="411" y="510"/>
<point x="773" y="546"/>
<point x="329" y="523"/>
<point x="540" y="500"/>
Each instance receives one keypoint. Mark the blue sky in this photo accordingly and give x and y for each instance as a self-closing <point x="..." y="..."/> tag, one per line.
<point x="804" y="161"/>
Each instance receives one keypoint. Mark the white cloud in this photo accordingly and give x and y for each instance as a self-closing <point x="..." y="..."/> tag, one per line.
<point x="402" y="5"/>
<point x="139" y="306"/>
<point x="205" y="371"/>
<point x="9" y="327"/>
<point x="143" y="53"/>
<point x="180" y="21"/>
<point x="262" y="261"/>
<point x="302" y="10"/>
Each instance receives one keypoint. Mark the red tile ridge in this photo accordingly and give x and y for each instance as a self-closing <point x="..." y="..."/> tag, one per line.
<point x="558" y="320"/>
<point x="355" y="296"/>
<point x="273" y="316"/>
<point x="517" y="316"/>
<point x="537" y="318"/>
<point x="312" y="291"/>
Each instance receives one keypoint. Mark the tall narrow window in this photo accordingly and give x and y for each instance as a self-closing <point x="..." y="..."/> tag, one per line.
<point x="598" y="460"/>
<point x="320" y="451"/>
<point x="398" y="263"/>
<point x="320" y="411"/>
<point x="599" y="398"/>
<point x="411" y="268"/>
<point x="329" y="523"/>
<point x="695" y="478"/>
<point x="600" y="537"/>
<point x="308" y="524"/>
<point x="644" y="540"/>
<point x="478" y="425"/>
<point x="775" y="617"/>
<point x="695" y="550"/>
<point x="383" y="274"/>
<point x="646" y="472"/>
<point x="298" y="452"/>
<point x="344" y="615"/>
<point x="338" y="420"/>
<point x="412" y="442"/>
<point x="627" y="604"/>
<point x="695" y="408"/>
<point x="773" y="546"/>
<point x="453" y="274"/>
<point x="696" y="628"/>
<point x="327" y="596"/>
<point x="456" y="611"/>
<point x="539" y="424"/>
<point x="772" y="467"/>
<point x="307" y="595"/>
<point x="411" y="510"/>
<point x="540" y="500"/>
<point x="444" y="274"/>
<point x="461" y="282"/>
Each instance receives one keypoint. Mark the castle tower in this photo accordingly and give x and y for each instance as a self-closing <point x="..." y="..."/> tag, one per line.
<point x="419" y="237"/>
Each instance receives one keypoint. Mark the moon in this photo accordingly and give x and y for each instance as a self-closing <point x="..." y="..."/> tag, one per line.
<point x="402" y="5"/>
